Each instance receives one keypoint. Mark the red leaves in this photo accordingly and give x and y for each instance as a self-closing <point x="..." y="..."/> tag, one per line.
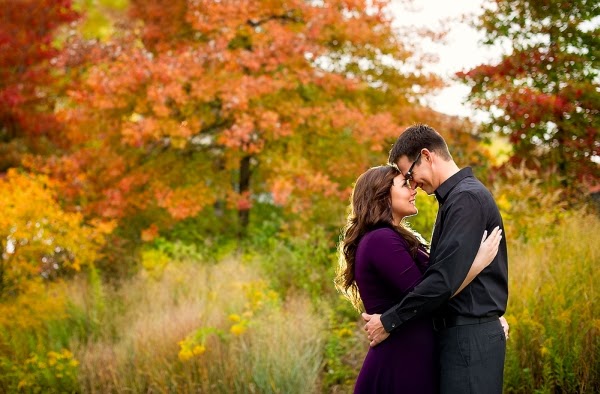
<point x="27" y="29"/>
<point x="543" y="94"/>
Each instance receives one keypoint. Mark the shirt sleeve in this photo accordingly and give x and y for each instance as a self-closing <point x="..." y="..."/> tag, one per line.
<point x="390" y="257"/>
<point x="463" y="224"/>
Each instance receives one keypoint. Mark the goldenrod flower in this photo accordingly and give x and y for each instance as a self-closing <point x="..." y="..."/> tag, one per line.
<point x="67" y="354"/>
<point x="198" y="350"/>
<point x="344" y="332"/>
<point x="238" y="329"/>
<point x="235" y="318"/>
<point x="185" y="354"/>
<point x="53" y="355"/>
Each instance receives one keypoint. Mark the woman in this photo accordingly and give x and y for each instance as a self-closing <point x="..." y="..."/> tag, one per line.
<point x="381" y="261"/>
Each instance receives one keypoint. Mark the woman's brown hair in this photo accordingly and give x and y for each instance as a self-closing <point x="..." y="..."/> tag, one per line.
<point x="370" y="208"/>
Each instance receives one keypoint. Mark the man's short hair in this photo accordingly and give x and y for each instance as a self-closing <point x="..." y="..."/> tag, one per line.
<point x="415" y="138"/>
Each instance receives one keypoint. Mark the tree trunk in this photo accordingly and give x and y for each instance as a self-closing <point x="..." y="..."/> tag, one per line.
<point x="244" y="212"/>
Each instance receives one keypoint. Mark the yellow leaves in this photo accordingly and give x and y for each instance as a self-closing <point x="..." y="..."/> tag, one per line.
<point x="34" y="307"/>
<point x="503" y="205"/>
<point x="39" y="237"/>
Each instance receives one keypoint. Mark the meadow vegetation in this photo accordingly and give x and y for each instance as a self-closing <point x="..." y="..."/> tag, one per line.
<point x="266" y="318"/>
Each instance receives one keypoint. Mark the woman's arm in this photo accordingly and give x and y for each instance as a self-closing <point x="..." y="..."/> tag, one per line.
<point x="486" y="254"/>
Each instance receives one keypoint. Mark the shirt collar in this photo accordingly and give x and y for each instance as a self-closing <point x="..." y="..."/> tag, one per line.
<point x="441" y="193"/>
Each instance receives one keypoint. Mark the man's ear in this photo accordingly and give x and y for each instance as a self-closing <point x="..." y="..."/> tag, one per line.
<point x="426" y="153"/>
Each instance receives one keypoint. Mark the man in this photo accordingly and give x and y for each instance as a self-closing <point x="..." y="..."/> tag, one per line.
<point x="470" y="336"/>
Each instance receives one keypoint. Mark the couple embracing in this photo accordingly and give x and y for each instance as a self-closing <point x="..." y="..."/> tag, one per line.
<point x="433" y="317"/>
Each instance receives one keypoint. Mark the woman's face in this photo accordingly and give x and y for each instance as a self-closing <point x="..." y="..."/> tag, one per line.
<point x="403" y="199"/>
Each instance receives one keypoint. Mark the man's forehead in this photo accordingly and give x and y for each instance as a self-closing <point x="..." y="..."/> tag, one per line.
<point x="403" y="163"/>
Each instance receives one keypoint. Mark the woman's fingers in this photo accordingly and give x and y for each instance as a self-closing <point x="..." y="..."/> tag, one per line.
<point x="493" y="235"/>
<point x="484" y="235"/>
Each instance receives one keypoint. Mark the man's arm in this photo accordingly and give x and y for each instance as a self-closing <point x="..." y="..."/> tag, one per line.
<point x="454" y="254"/>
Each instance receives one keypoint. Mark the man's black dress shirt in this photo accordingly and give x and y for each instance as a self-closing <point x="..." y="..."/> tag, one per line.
<point x="466" y="209"/>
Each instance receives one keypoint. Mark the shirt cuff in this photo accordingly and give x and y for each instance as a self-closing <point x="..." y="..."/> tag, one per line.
<point x="391" y="320"/>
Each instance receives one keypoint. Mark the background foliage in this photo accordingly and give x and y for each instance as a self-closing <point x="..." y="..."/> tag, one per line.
<point x="543" y="94"/>
<point x="175" y="175"/>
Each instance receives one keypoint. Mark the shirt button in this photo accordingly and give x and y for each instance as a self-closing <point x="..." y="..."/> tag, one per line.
<point x="393" y="324"/>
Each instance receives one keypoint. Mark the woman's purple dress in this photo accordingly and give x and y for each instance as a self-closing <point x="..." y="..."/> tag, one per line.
<point x="406" y="362"/>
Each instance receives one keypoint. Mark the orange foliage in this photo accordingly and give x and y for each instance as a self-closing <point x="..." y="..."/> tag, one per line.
<point x="286" y="98"/>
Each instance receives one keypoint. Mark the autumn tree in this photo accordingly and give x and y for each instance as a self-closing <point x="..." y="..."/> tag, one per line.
<point x="39" y="240"/>
<point x="28" y="79"/>
<point x="212" y="107"/>
<point x="544" y="92"/>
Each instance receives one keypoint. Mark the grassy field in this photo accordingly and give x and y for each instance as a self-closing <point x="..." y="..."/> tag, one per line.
<point x="237" y="326"/>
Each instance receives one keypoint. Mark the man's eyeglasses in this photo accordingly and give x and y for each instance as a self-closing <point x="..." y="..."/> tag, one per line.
<point x="408" y="177"/>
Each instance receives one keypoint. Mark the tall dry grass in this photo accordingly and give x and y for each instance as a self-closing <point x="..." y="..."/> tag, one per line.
<point x="554" y="311"/>
<point x="137" y="347"/>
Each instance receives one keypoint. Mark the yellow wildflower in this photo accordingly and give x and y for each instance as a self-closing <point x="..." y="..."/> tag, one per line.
<point x="185" y="354"/>
<point x="198" y="350"/>
<point x="67" y="354"/>
<point x="53" y="355"/>
<point x="41" y="365"/>
<point x="234" y="318"/>
<point x="344" y="332"/>
<point x="238" y="329"/>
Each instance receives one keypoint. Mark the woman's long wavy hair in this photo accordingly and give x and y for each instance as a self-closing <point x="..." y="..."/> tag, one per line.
<point x="371" y="208"/>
